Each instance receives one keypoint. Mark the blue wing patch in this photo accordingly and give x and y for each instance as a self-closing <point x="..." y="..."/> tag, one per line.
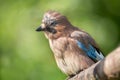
<point x="91" y="51"/>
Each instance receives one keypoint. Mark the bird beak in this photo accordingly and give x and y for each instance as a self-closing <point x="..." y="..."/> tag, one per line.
<point x="40" y="29"/>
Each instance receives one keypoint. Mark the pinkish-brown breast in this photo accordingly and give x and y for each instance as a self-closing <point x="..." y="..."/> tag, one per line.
<point x="70" y="59"/>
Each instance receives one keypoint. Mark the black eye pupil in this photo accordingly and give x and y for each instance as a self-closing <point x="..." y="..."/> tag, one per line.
<point x="53" y="23"/>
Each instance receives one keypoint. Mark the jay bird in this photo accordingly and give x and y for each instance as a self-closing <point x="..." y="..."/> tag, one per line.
<point x="74" y="49"/>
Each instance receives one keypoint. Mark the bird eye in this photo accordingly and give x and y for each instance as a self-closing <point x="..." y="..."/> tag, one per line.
<point x="53" y="23"/>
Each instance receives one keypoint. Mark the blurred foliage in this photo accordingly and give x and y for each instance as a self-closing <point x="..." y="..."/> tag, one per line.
<point x="25" y="54"/>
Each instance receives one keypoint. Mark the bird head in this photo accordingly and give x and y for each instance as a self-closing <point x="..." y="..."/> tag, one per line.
<point x="53" y="24"/>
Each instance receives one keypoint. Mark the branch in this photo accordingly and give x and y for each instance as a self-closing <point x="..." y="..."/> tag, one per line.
<point x="107" y="69"/>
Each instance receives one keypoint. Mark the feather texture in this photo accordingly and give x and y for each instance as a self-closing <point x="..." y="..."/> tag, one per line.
<point x="88" y="45"/>
<point x="74" y="50"/>
<point x="91" y="51"/>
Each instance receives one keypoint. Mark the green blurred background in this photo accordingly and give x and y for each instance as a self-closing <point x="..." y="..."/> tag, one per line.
<point x="25" y="54"/>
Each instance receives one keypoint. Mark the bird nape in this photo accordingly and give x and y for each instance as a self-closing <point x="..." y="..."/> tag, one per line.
<point x="74" y="49"/>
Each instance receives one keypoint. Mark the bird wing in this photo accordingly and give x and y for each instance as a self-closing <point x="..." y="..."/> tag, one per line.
<point x="85" y="42"/>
